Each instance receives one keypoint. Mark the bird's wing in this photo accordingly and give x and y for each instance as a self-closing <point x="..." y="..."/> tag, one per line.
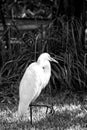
<point x="30" y="86"/>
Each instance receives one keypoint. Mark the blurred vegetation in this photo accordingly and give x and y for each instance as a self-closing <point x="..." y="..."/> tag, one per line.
<point x="63" y="39"/>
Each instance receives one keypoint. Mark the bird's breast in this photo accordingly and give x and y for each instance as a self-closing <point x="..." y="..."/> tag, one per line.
<point x="42" y="73"/>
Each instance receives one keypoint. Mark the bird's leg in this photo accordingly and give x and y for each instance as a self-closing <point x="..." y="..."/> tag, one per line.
<point x="31" y="114"/>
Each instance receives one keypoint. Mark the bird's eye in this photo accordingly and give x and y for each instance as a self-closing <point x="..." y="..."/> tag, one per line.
<point x="43" y="67"/>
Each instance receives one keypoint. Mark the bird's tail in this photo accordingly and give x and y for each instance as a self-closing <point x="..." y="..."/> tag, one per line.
<point x="22" y="108"/>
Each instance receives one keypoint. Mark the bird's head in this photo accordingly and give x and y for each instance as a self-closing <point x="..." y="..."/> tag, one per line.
<point x="45" y="57"/>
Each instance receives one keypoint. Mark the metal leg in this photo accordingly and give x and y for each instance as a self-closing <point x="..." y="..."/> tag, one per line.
<point x="52" y="111"/>
<point x="31" y="114"/>
<point x="45" y="105"/>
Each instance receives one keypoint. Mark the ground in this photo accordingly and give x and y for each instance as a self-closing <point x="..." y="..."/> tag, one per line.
<point x="70" y="114"/>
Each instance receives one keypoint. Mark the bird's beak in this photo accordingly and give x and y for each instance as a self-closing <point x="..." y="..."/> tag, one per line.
<point x="52" y="59"/>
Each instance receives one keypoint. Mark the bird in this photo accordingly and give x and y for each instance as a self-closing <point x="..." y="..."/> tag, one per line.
<point x="35" y="78"/>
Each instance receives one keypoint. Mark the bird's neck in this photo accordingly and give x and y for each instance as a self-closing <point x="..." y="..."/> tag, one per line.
<point x="46" y="72"/>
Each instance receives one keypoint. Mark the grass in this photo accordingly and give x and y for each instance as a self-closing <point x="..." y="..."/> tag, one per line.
<point x="70" y="114"/>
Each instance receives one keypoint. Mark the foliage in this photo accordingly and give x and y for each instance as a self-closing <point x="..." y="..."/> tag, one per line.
<point x="27" y="9"/>
<point x="66" y="43"/>
<point x="63" y="40"/>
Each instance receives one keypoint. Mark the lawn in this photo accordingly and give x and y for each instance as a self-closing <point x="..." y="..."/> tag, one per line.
<point x="70" y="114"/>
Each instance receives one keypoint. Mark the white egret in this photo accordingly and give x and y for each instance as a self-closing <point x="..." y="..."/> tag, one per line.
<point x="35" y="78"/>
